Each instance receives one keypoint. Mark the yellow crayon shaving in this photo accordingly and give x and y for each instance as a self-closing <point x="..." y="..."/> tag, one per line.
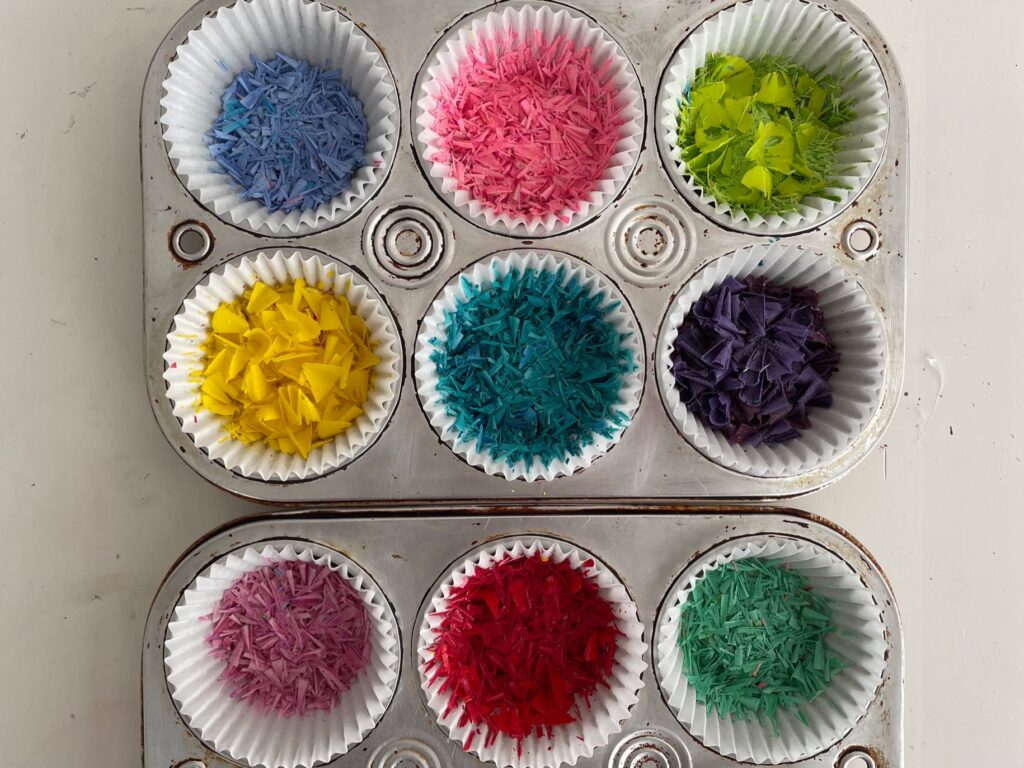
<point x="289" y="366"/>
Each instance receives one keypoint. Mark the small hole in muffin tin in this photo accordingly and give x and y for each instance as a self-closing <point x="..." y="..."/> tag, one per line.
<point x="191" y="241"/>
<point x="856" y="759"/>
<point x="190" y="764"/>
<point x="861" y="240"/>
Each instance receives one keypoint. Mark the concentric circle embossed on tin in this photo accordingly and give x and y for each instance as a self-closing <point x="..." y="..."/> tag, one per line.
<point x="406" y="243"/>
<point x="405" y="753"/>
<point x="648" y="749"/>
<point x="647" y="242"/>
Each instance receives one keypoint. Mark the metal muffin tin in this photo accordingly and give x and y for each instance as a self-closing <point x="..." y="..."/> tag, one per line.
<point x="409" y="243"/>
<point x="406" y="549"/>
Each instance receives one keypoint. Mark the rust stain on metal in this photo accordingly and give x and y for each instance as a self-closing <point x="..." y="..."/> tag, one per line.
<point x="199" y="225"/>
<point x="874" y="754"/>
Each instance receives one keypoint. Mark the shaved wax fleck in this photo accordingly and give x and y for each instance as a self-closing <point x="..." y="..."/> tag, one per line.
<point x="528" y="125"/>
<point x="761" y="135"/>
<point x="753" y="360"/>
<point x="755" y="641"/>
<point x="287" y="366"/>
<point x="290" y="134"/>
<point x="294" y="637"/>
<point x="524" y="645"/>
<point x="532" y="365"/>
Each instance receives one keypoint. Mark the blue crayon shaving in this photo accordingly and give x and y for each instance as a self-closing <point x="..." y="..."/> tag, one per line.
<point x="291" y="135"/>
<point x="530" y="366"/>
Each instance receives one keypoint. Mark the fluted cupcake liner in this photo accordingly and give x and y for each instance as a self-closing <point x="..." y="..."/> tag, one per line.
<point x="234" y="727"/>
<point x="184" y="360"/>
<point x="433" y="331"/>
<point x="859" y="642"/>
<point x="552" y="21"/>
<point x="816" y="38"/>
<point x="608" y="707"/>
<point x="219" y="49"/>
<point x="852" y="321"/>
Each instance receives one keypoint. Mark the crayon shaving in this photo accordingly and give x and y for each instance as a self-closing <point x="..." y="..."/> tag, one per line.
<point x="754" y="637"/>
<point x="754" y="359"/>
<point x="522" y="646"/>
<point x="294" y="637"/>
<point x="528" y="126"/>
<point x="531" y="366"/>
<point x="289" y="367"/>
<point x="290" y="134"/>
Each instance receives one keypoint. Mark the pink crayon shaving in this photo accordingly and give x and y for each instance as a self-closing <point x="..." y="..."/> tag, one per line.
<point x="528" y="128"/>
<point x="294" y="637"/>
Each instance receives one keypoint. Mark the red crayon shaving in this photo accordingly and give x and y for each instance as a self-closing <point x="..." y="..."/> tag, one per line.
<point x="294" y="636"/>
<point x="528" y="126"/>
<point x="522" y="644"/>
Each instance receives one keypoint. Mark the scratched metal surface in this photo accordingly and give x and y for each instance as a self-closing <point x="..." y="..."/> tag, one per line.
<point x="406" y="550"/>
<point x="408" y="462"/>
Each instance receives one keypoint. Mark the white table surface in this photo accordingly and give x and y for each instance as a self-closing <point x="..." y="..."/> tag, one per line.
<point x="95" y="506"/>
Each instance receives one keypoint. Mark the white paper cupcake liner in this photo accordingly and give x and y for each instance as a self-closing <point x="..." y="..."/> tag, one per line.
<point x="184" y="364"/>
<point x="237" y="729"/>
<point x="552" y="21"/>
<point x="213" y="55"/>
<point x="859" y="641"/>
<point x="609" y="707"/>
<point x="856" y="329"/>
<point x="483" y="273"/>
<point x="817" y="38"/>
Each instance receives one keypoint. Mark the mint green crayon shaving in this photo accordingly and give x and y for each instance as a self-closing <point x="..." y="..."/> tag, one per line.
<point x="754" y="637"/>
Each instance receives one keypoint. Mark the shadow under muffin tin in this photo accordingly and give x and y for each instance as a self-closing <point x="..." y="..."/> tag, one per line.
<point x="409" y="239"/>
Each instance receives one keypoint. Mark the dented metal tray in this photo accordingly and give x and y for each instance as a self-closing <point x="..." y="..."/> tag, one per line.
<point x="408" y="462"/>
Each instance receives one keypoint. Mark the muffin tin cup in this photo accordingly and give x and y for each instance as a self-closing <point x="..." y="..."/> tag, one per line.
<point x="608" y="707"/>
<point x="183" y="365"/>
<point x="820" y="40"/>
<point x="552" y="21"/>
<point x="433" y="328"/>
<point x="859" y="641"/>
<point x="214" y="54"/>
<point x="235" y="728"/>
<point x="852" y="321"/>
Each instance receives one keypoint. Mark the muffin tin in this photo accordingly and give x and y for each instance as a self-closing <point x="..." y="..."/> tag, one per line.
<point x="408" y="551"/>
<point x="409" y="241"/>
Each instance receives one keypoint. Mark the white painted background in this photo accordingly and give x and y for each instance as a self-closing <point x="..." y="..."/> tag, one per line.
<point x="94" y="506"/>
